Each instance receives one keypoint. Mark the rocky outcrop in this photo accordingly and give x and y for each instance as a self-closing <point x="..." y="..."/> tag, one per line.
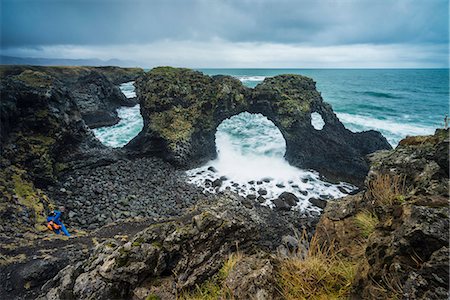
<point x="170" y="257"/>
<point x="94" y="89"/>
<point x="40" y="123"/>
<point x="41" y="130"/>
<point x="118" y="75"/>
<point x="98" y="99"/>
<point x="406" y="252"/>
<point x="182" y="109"/>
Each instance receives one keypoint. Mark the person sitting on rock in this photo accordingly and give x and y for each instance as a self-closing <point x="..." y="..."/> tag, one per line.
<point x="54" y="222"/>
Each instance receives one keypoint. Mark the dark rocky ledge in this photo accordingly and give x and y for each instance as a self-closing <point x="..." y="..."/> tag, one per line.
<point x="182" y="109"/>
<point x="94" y="89"/>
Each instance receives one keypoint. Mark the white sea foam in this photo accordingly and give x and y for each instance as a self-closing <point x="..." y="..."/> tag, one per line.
<point x="128" y="89"/>
<point x="393" y="130"/>
<point x="251" y="78"/>
<point x="251" y="156"/>
<point x="130" y="124"/>
<point x="317" y="121"/>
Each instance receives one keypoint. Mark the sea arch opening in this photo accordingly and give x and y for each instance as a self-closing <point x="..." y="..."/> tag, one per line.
<point x="250" y="134"/>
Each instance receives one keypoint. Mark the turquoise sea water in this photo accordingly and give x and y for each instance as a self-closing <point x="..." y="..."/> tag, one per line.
<point x="397" y="102"/>
<point x="130" y="124"/>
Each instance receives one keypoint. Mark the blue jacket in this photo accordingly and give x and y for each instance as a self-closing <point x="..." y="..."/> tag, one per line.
<point x="56" y="218"/>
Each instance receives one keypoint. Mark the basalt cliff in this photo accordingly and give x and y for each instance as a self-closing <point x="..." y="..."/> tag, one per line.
<point x="141" y="232"/>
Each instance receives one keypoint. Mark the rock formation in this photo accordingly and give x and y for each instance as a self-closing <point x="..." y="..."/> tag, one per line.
<point x="41" y="128"/>
<point x="169" y="257"/>
<point x="94" y="89"/>
<point x="222" y="238"/>
<point x="407" y="255"/>
<point x="182" y="109"/>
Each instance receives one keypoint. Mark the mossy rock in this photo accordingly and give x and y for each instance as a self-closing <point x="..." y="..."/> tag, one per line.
<point x="182" y="109"/>
<point x="35" y="78"/>
<point x="19" y="197"/>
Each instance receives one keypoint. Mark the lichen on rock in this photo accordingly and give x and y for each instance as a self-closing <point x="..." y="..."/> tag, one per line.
<point x="182" y="109"/>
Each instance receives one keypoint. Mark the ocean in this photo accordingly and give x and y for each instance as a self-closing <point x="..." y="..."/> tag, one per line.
<point x="397" y="102"/>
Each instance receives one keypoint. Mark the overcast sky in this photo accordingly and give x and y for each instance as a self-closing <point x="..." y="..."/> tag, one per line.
<point x="231" y="33"/>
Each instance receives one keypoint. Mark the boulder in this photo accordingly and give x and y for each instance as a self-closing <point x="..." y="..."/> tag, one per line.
<point x="288" y="198"/>
<point x="320" y="203"/>
<point x="285" y="201"/>
<point x="252" y="277"/>
<point x="217" y="183"/>
<point x="262" y="192"/>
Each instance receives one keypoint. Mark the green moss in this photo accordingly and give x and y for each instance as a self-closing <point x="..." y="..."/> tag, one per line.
<point x="61" y="167"/>
<point x="165" y="70"/>
<point x="289" y="106"/>
<point x="175" y="124"/>
<point x="152" y="297"/>
<point x="123" y="258"/>
<point x="157" y="245"/>
<point x="35" y="152"/>
<point x="30" y="197"/>
<point x="209" y="290"/>
<point x="35" y="78"/>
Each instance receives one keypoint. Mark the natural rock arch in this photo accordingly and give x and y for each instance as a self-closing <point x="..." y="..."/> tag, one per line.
<point x="182" y="109"/>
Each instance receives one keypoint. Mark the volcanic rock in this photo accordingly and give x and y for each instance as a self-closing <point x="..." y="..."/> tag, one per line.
<point x="320" y="203"/>
<point x="94" y="89"/>
<point x="407" y="251"/>
<point x="182" y="109"/>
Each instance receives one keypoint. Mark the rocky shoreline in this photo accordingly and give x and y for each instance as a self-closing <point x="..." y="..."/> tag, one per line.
<point x="141" y="187"/>
<point x="142" y="232"/>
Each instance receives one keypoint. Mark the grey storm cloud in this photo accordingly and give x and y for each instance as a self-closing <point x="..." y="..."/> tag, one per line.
<point x="34" y="23"/>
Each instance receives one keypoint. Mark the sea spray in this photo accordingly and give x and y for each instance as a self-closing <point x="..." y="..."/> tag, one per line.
<point x="250" y="161"/>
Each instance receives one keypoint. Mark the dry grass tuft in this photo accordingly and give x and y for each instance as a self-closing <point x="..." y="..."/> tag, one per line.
<point x="215" y="288"/>
<point x="387" y="190"/>
<point x="323" y="274"/>
<point x="389" y="287"/>
<point x="229" y="264"/>
<point x="366" y="222"/>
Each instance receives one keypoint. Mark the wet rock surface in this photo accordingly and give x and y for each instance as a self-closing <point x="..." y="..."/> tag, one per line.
<point x="182" y="109"/>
